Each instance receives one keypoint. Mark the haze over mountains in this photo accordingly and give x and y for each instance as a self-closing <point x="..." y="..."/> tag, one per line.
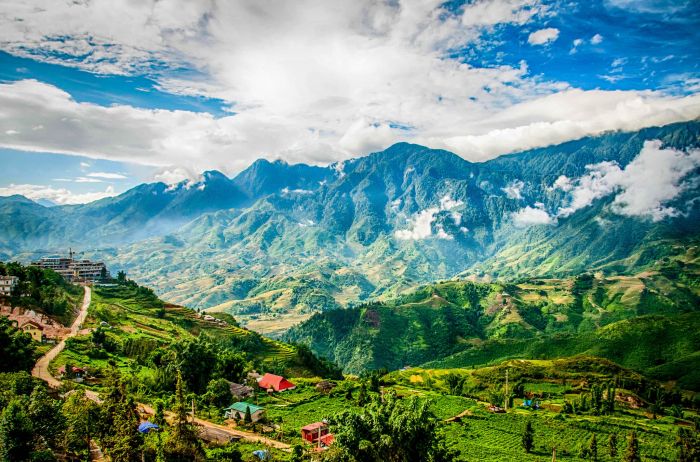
<point x="280" y="238"/>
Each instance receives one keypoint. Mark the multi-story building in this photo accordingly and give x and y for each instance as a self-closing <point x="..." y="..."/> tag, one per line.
<point x="7" y="283"/>
<point x="74" y="270"/>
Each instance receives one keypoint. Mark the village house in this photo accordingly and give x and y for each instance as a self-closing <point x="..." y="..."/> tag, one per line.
<point x="275" y="383"/>
<point x="317" y="434"/>
<point x="239" y="391"/>
<point x="324" y="386"/>
<point x="78" y="374"/>
<point x="34" y="329"/>
<point x="7" y="283"/>
<point x="237" y="411"/>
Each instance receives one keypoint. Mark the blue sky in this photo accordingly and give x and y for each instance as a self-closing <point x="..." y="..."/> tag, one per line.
<point x="163" y="91"/>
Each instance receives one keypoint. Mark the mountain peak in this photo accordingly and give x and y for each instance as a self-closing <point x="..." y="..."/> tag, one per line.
<point x="213" y="175"/>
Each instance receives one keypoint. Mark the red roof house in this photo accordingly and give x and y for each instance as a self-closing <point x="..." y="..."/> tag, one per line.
<point x="275" y="382"/>
<point x="317" y="434"/>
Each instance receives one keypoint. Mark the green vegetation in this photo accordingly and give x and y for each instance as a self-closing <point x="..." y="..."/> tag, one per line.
<point x="17" y="351"/>
<point x="388" y="429"/>
<point x="42" y="290"/>
<point x="647" y="322"/>
<point x="149" y="341"/>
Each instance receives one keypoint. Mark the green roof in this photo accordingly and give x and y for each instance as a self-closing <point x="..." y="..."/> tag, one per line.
<point x="240" y="407"/>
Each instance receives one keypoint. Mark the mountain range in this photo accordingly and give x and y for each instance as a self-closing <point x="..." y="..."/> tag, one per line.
<point x="279" y="242"/>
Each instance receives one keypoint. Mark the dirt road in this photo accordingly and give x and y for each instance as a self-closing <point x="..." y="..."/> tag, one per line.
<point x="41" y="368"/>
<point x="208" y="431"/>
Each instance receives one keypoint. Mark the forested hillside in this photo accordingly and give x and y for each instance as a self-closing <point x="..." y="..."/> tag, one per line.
<point x="647" y="322"/>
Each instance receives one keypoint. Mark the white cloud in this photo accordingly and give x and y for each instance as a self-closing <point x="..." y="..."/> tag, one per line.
<point x="82" y="179"/>
<point x="447" y="203"/>
<point x="568" y="115"/>
<point x="563" y="182"/>
<point x="174" y="176"/>
<point x="574" y="45"/>
<point x="514" y="190"/>
<point x="308" y="81"/>
<point x="420" y="225"/>
<point x="60" y="196"/>
<point x="303" y="192"/>
<point x="532" y="216"/>
<point x="643" y="188"/>
<point x="596" y="39"/>
<point x="543" y="36"/>
<point x="107" y="175"/>
<point x="492" y="12"/>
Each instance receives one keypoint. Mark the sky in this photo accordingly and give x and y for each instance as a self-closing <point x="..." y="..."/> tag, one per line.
<point x="98" y="96"/>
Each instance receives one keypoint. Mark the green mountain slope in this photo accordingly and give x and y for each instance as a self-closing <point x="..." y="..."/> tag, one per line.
<point x="460" y="323"/>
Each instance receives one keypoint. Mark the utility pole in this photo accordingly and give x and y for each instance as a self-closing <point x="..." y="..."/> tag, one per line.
<point x="506" y="397"/>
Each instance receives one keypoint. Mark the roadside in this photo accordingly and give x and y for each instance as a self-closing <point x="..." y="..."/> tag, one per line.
<point x="209" y="431"/>
<point x="41" y="368"/>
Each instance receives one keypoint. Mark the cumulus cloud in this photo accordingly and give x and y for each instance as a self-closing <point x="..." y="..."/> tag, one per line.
<point x="543" y="36"/>
<point x="514" y="190"/>
<point x="574" y="45"/>
<point x="596" y="39"/>
<point x="60" y="196"/>
<point x="324" y="82"/>
<point x="563" y="183"/>
<point x="643" y="188"/>
<point x="568" y="115"/>
<point x="532" y="216"/>
<point x="420" y="225"/>
<point x="492" y="12"/>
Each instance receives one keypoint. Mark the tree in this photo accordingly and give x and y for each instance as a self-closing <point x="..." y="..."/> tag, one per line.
<point x="119" y="424"/>
<point x="248" y="418"/>
<point x="226" y="454"/>
<point x="121" y="277"/>
<point x="159" y="413"/>
<point x="388" y="429"/>
<point x="231" y="365"/>
<point x="612" y="445"/>
<point x="362" y="397"/>
<point x="99" y="336"/>
<point x="127" y="441"/>
<point x="16" y="432"/>
<point x="46" y="417"/>
<point x="16" y="349"/>
<point x="528" y="439"/>
<point x="610" y="399"/>
<point x="196" y="360"/>
<point x="81" y="414"/>
<point x="219" y="393"/>
<point x="632" y="451"/>
<point x="455" y="382"/>
<point x="297" y="453"/>
<point x="688" y="445"/>
<point x="593" y="448"/>
<point x="182" y="444"/>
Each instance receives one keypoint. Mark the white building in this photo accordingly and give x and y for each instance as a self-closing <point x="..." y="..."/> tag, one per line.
<point x="7" y="283"/>
<point x="74" y="270"/>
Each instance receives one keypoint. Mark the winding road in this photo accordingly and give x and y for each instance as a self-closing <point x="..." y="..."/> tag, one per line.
<point x="41" y="368"/>
<point x="208" y="430"/>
